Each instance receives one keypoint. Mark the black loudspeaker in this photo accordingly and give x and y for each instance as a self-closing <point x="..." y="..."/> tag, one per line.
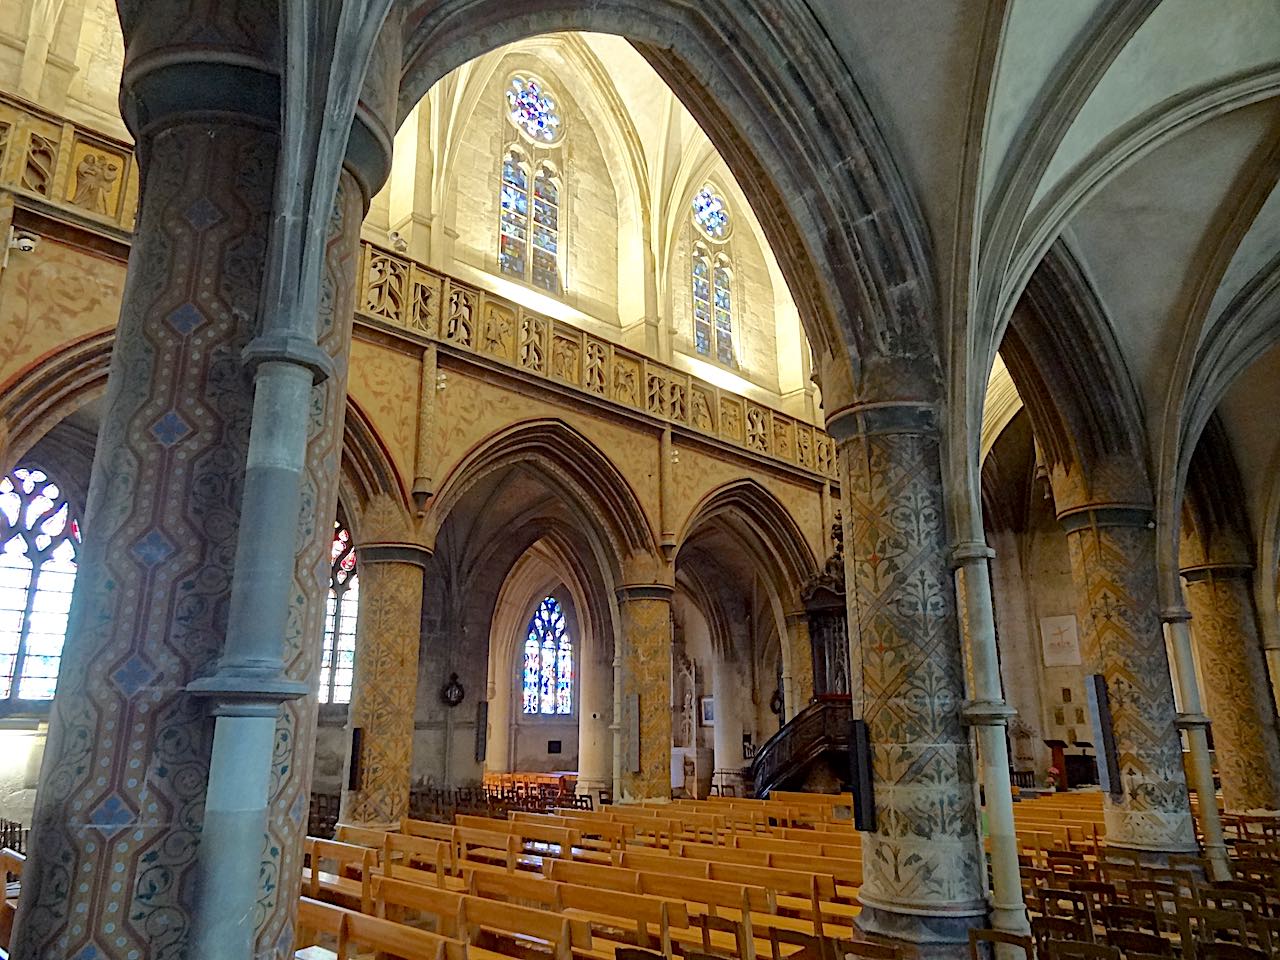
<point x="863" y="783"/>
<point x="355" y="772"/>
<point x="482" y="730"/>
<point x="1095" y="688"/>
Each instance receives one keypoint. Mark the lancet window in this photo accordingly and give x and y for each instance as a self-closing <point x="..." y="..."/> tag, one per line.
<point x="337" y="664"/>
<point x="548" y="662"/>
<point x="39" y="542"/>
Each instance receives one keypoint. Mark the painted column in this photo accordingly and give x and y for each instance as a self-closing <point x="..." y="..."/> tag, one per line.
<point x="1113" y="566"/>
<point x="125" y="773"/>
<point x="595" y="710"/>
<point x="801" y="659"/>
<point x="645" y="612"/>
<point x="385" y="685"/>
<point x="924" y="877"/>
<point x="1236" y="691"/>
<point x="989" y="715"/>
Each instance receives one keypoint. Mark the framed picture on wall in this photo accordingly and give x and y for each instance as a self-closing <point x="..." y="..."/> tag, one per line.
<point x="707" y="711"/>
<point x="1060" y="640"/>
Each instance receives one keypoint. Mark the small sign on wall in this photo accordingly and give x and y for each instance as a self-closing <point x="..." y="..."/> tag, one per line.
<point x="1060" y="641"/>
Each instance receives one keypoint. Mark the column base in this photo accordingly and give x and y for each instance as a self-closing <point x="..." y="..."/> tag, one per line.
<point x="924" y="930"/>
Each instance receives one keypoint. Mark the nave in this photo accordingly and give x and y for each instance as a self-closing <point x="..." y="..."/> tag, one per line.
<point x="421" y="411"/>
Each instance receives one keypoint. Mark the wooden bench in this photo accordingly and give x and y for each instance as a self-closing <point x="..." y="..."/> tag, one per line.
<point x="348" y="882"/>
<point x="465" y="916"/>
<point x="350" y="929"/>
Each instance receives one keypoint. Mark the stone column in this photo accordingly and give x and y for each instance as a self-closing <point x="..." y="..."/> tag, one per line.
<point x="497" y="751"/>
<point x="924" y="878"/>
<point x="1236" y="690"/>
<point x="730" y="698"/>
<point x="385" y="686"/>
<point x="988" y="714"/>
<point x="124" y="779"/>
<point x="801" y="660"/>
<point x="645" y="610"/>
<point x="1113" y="566"/>
<point x="595" y="711"/>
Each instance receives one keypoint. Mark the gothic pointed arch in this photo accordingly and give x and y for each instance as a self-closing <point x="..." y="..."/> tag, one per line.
<point x="847" y="231"/>
<point x="764" y="526"/>
<point x="1067" y="366"/>
<point x="573" y="467"/>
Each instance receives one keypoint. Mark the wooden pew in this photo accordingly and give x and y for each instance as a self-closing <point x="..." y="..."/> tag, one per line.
<point x="11" y="864"/>
<point x="350" y="929"/>
<point x="465" y="916"/>
<point x="339" y="885"/>
<point x="564" y="839"/>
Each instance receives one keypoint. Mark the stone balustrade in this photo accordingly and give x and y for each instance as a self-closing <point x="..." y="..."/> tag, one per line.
<point x="91" y="176"/>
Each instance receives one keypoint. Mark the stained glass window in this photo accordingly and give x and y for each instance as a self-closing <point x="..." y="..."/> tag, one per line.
<point x="519" y="198"/>
<point x="513" y="243"/>
<point x="701" y="300"/>
<point x="710" y="213"/>
<point x="546" y="230"/>
<point x="712" y="305"/>
<point x="533" y="110"/>
<point x="39" y="539"/>
<point x="723" y="289"/>
<point x="548" y="662"/>
<point x="337" y="663"/>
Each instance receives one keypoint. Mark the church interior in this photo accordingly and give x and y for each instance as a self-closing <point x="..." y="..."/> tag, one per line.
<point x="639" y="480"/>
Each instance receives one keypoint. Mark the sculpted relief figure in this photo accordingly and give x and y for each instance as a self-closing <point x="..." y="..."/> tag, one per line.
<point x="94" y="176"/>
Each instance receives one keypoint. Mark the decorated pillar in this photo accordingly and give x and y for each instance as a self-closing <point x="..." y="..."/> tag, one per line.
<point x="1236" y="691"/>
<point x="645" y="611"/>
<point x="122" y="864"/>
<point x="924" y="878"/>
<point x="385" y="685"/>
<point x="1113" y="565"/>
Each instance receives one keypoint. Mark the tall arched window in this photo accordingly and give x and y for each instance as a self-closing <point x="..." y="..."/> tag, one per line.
<point x="712" y="279"/>
<point x="337" y="664"/>
<point x="530" y="192"/>
<point x="39" y="538"/>
<point x="548" y="662"/>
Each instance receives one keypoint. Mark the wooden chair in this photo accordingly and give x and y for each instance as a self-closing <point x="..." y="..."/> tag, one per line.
<point x="810" y="945"/>
<point x="745" y="944"/>
<point x="998" y="938"/>
<point x="1158" y="895"/>
<point x="1201" y="925"/>
<point x="1227" y="951"/>
<point x="1068" y="904"/>
<point x="1044" y="929"/>
<point x="1098" y="892"/>
<point x="854" y="949"/>
<point x="1078" y="950"/>
<point x="1122" y="916"/>
<point x="1132" y="942"/>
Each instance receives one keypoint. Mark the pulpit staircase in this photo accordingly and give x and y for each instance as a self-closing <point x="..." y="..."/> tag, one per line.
<point x="810" y="751"/>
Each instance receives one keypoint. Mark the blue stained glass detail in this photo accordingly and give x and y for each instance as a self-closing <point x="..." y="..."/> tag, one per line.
<point x="711" y="214"/>
<point x="547" y="685"/>
<point x="724" y="315"/>
<point x="533" y="110"/>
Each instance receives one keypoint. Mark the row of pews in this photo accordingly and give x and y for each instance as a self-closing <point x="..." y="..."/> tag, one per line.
<point x="723" y="877"/>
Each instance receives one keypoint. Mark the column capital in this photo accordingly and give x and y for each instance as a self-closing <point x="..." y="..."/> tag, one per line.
<point x="645" y="591"/>
<point x="969" y="551"/>
<point x="1107" y="515"/>
<point x="892" y="417"/>
<point x="1198" y="573"/>
<point x="986" y="713"/>
<point x="393" y="552"/>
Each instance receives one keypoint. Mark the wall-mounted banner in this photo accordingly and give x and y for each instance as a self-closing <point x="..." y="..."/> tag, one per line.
<point x="1060" y="640"/>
